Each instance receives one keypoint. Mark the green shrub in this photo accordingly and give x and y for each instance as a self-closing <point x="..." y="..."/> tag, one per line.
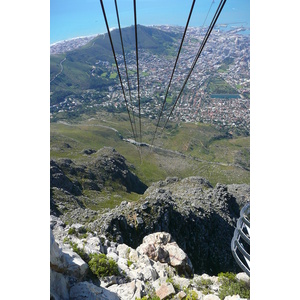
<point x="129" y="263"/>
<point x="79" y="251"/>
<point x="72" y="230"/>
<point x="203" y="285"/>
<point x="176" y="286"/>
<point x="232" y="286"/>
<point x="228" y="275"/>
<point x="192" y="295"/>
<point x="101" y="266"/>
<point x="148" y="298"/>
<point x="83" y="236"/>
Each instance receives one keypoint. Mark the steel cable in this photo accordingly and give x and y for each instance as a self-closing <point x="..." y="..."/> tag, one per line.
<point x="115" y="58"/>
<point x="208" y="32"/>
<point x="137" y="67"/>
<point x="179" y="50"/>
<point x="125" y="64"/>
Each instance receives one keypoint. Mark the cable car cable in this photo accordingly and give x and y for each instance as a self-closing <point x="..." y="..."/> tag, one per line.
<point x="179" y="50"/>
<point x="114" y="54"/>
<point x="137" y="67"/>
<point x="125" y="64"/>
<point x="211" y="26"/>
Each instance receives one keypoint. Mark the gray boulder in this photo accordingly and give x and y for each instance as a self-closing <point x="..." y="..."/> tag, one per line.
<point x="86" y="290"/>
<point x="129" y="291"/>
<point x="66" y="267"/>
<point x="234" y="297"/>
<point x="243" y="277"/>
<point x="211" y="297"/>
<point x="59" y="286"/>
<point x="165" y="290"/>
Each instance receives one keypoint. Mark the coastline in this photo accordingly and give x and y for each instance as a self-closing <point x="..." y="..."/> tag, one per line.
<point x="71" y="44"/>
<point x="76" y="38"/>
<point x="76" y="42"/>
<point x="220" y="26"/>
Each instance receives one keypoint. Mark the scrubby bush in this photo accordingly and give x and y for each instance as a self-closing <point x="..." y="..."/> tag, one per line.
<point x="192" y="295"/>
<point x="72" y="230"/>
<point x="83" y="236"/>
<point x="232" y="286"/>
<point x="149" y="298"/>
<point x="79" y="251"/>
<point x="102" y="266"/>
<point x="203" y="285"/>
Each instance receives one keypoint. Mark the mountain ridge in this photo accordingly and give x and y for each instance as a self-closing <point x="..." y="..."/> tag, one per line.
<point x="78" y="64"/>
<point x="178" y="206"/>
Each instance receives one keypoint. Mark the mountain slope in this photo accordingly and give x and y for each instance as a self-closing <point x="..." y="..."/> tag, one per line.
<point x="200" y="218"/>
<point x="74" y="184"/>
<point x="78" y="65"/>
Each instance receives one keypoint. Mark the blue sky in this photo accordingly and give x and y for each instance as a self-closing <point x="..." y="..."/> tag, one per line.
<point x="72" y="18"/>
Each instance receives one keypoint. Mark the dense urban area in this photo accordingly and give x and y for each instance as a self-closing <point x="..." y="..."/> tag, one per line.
<point x="217" y="92"/>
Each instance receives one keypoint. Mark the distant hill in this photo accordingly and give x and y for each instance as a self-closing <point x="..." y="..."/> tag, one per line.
<point x="150" y="39"/>
<point x="78" y="64"/>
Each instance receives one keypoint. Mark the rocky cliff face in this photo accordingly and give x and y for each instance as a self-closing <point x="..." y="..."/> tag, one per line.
<point x="105" y="166"/>
<point x="177" y="228"/>
<point x="200" y="218"/>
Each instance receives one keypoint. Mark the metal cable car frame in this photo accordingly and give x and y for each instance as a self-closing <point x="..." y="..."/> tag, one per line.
<point x="241" y="240"/>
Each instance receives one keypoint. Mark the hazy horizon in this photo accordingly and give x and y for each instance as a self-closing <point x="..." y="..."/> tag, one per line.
<point x="71" y="19"/>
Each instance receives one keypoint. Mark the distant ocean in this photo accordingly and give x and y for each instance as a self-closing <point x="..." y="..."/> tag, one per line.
<point x="75" y="18"/>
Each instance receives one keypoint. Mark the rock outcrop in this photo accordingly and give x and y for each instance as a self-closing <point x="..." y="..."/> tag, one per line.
<point x="200" y="218"/>
<point x="105" y="169"/>
<point x="161" y="247"/>
<point x="66" y="268"/>
<point x="106" y="165"/>
<point x="59" y="180"/>
<point x="141" y="273"/>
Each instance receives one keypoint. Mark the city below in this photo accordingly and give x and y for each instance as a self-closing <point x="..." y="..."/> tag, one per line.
<point x="217" y="92"/>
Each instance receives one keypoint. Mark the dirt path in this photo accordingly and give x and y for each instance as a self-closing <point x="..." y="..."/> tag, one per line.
<point x="61" y="70"/>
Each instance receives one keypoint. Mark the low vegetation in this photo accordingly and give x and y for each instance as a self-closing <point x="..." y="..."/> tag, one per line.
<point x="79" y="251"/>
<point x="217" y="85"/>
<point x="102" y="266"/>
<point x="99" y="264"/>
<point x="203" y="285"/>
<point x="183" y="150"/>
<point x="232" y="286"/>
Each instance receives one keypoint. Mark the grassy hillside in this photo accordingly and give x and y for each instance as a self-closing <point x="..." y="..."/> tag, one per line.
<point x="184" y="150"/>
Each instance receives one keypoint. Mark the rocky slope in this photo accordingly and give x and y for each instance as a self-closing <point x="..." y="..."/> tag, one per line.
<point x="150" y="270"/>
<point x="105" y="169"/>
<point x="200" y="218"/>
<point x="106" y="166"/>
<point x="177" y="229"/>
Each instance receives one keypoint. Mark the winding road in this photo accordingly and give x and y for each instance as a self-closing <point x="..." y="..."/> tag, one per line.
<point x="131" y="141"/>
<point x="61" y="70"/>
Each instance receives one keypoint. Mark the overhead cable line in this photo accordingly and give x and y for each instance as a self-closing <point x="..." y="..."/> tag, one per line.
<point x="213" y="1"/>
<point x="211" y="26"/>
<point x="122" y="44"/>
<point x="114" y="54"/>
<point x="137" y="67"/>
<point x="179" y="50"/>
